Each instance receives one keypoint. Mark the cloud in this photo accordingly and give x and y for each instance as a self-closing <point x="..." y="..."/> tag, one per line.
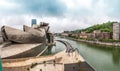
<point x="61" y="14"/>
<point x="107" y="7"/>
<point x="15" y="21"/>
<point x="37" y="7"/>
<point x="113" y="8"/>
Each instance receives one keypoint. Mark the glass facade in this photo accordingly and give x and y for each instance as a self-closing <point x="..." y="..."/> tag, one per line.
<point x="34" y="21"/>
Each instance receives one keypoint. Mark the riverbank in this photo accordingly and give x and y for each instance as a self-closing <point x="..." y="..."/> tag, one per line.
<point x="96" y="42"/>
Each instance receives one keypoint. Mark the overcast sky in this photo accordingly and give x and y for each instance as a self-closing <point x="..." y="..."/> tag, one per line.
<point x="61" y="14"/>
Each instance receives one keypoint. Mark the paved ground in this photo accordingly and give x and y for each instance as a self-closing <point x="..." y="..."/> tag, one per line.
<point x="48" y="67"/>
<point x="66" y="58"/>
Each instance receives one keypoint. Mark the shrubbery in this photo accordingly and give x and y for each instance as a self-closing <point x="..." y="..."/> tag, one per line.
<point x="109" y="40"/>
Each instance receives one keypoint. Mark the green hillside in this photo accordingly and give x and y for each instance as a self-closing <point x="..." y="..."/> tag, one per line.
<point x="105" y="27"/>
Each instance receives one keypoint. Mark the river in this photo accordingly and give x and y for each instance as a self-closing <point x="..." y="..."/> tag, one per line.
<point x="101" y="58"/>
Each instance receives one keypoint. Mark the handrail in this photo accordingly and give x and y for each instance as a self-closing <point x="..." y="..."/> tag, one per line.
<point x="69" y="48"/>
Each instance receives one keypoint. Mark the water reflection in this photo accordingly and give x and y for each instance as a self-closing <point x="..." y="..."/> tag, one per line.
<point x="55" y="49"/>
<point x="115" y="51"/>
<point x="116" y="56"/>
<point x="50" y="49"/>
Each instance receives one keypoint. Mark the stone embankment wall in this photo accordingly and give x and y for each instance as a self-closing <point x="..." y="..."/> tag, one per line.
<point x="97" y="42"/>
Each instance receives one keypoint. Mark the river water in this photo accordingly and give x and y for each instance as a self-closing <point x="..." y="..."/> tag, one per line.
<point x="101" y="58"/>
